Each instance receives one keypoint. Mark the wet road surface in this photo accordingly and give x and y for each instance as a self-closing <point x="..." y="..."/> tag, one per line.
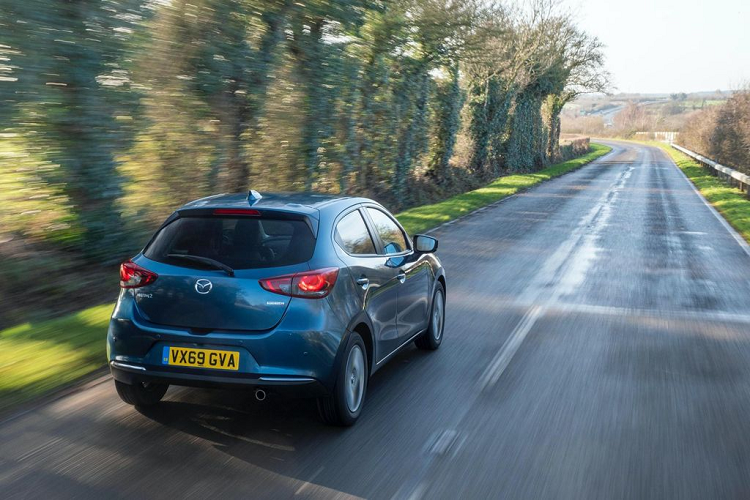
<point x="597" y="345"/>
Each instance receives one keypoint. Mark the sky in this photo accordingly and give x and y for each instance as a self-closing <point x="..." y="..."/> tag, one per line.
<point x="666" y="46"/>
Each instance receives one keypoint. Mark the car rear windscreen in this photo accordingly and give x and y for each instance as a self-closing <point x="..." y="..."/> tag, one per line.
<point x="238" y="242"/>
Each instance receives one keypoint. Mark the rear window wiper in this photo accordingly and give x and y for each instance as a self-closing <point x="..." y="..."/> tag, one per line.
<point x="203" y="260"/>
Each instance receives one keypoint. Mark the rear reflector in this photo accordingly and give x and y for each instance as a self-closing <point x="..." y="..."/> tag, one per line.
<point x="134" y="276"/>
<point x="308" y="284"/>
<point x="236" y="211"/>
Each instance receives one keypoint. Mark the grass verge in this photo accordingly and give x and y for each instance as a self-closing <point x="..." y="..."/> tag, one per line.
<point x="36" y="358"/>
<point x="730" y="202"/>
<point x="419" y="219"/>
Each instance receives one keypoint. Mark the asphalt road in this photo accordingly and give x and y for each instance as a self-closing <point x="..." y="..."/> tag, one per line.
<point x="608" y="115"/>
<point x="597" y="346"/>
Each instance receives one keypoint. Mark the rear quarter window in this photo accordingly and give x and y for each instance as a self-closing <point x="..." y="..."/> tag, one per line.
<point x="352" y="235"/>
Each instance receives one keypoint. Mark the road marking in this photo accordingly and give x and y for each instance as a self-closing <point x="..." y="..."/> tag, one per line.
<point x="416" y="486"/>
<point x="739" y="239"/>
<point x="510" y="347"/>
<point x="562" y="272"/>
<point x="606" y="310"/>
<point x="309" y="482"/>
<point x="563" y="258"/>
<point x="418" y="492"/>
<point x="442" y="442"/>
<point x="568" y="266"/>
<point x="708" y="316"/>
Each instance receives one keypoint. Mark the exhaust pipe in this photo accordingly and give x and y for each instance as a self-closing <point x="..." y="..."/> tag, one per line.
<point x="260" y="394"/>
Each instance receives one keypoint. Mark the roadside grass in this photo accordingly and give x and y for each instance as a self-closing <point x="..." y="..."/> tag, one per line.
<point x="731" y="203"/>
<point x="419" y="219"/>
<point x="37" y="357"/>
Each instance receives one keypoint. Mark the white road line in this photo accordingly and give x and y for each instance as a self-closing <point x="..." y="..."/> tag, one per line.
<point x="442" y="442"/>
<point x="589" y="226"/>
<point x="574" y="257"/>
<point x="605" y="310"/>
<point x="449" y="441"/>
<point x="564" y="271"/>
<point x="308" y="482"/>
<point x="418" y="492"/>
<point x="510" y="347"/>
<point x="708" y="316"/>
<point x="738" y="238"/>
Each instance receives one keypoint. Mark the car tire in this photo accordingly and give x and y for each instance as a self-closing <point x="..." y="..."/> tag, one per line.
<point x="344" y="405"/>
<point x="141" y="394"/>
<point x="433" y="337"/>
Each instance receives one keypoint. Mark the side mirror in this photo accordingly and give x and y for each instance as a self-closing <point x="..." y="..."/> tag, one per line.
<point x="425" y="244"/>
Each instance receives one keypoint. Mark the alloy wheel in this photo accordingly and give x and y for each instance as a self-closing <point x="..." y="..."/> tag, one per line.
<point x="355" y="378"/>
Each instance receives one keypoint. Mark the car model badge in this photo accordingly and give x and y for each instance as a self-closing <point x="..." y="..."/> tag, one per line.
<point x="203" y="286"/>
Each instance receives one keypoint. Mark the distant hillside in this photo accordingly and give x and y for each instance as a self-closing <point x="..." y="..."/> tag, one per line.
<point x="624" y="113"/>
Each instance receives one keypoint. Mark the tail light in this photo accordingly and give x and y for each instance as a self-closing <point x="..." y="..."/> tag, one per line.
<point x="308" y="284"/>
<point x="134" y="276"/>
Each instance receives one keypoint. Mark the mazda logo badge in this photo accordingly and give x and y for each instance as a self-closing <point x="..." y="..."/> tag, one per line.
<point x="203" y="286"/>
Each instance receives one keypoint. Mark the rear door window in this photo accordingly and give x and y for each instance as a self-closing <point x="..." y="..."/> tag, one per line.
<point x="393" y="238"/>
<point x="352" y="235"/>
<point x="238" y="242"/>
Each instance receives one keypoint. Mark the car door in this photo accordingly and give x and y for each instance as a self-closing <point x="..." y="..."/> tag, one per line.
<point x="414" y="274"/>
<point x="375" y="282"/>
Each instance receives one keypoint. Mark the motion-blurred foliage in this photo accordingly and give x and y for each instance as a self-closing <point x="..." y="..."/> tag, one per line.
<point x="116" y="111"/>
<point x="722" y="132"/>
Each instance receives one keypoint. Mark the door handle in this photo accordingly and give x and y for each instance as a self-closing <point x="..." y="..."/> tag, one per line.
<point x="401" y="277"/>
<point x="362" y="281"/>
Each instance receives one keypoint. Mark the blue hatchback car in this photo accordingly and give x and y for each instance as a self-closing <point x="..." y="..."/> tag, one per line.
<point x="302" y="293"/>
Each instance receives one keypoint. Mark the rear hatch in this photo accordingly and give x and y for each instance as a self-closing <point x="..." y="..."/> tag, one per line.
<point x="196" y="255"/>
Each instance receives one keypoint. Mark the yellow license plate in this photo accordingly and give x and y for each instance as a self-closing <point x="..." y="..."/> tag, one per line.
<point x="201" y="358"/>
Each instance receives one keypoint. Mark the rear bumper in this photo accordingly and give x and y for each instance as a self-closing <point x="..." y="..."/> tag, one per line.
<point x="299" y="353"/>
<point x="131" y="373"/>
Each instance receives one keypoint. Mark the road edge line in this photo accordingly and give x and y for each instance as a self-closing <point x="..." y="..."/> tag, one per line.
<point x="732" y="231"/>
<point x="94" y="379"/>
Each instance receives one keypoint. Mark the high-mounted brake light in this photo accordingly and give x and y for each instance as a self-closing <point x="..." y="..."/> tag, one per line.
<point x="236" y="211"/>
<point x="134" y="276"/>
<point x="308" y="284"/>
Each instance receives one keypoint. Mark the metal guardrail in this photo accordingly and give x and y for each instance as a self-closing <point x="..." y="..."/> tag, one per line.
<point x="730" y="175"/>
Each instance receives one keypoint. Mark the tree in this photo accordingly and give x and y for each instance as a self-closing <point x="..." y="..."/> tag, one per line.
<point x="498" y="74"/>
<point x="450" y="100"/>
<point x="320" y="30"/>
<point x="527" y="137"/>
<point x="631" y="119"/>
<point x="730" y="140"/>
<point x="123" y="109"/>
<point x="71" y="84"/>
<point x="579" y="63"/>
<point x="237" y="49"/>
